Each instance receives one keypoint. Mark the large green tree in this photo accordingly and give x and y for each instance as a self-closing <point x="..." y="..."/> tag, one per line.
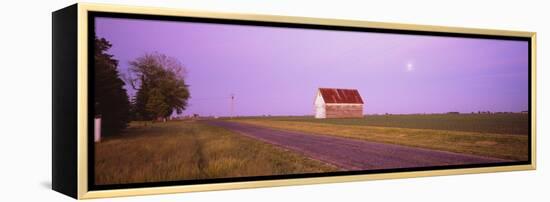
<point x="110" y="97"/>
<point x="160" y="84"/>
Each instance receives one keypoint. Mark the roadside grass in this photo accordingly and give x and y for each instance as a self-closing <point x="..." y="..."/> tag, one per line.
<point x="505" y="146"/>
<point x="187" y="150"/>
<point x="506" y="123"/>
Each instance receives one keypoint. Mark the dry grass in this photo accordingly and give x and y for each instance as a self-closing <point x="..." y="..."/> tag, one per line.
<point x="191" y="150"/>
<point x="506" y="146"/>
<point x="506" y="123"/>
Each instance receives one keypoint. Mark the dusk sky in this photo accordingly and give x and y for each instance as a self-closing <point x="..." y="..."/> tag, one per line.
<point x="277" y="71"/>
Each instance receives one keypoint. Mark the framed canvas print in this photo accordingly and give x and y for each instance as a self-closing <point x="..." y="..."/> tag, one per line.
<point x="152" y="101"/>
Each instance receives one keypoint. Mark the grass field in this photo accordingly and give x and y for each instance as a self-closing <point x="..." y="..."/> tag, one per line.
<point x="496" y="135"/>
<point x="185" y="150"/>
<point x="487" y="123"/>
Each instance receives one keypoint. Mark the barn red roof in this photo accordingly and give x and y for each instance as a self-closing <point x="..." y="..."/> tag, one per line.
<point x="345" y="96"/>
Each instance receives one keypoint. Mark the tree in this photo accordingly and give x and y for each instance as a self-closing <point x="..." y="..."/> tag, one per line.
<point x="110" y="97"/>
<point x="156" y="104"/>
<point x="160" y="84"/>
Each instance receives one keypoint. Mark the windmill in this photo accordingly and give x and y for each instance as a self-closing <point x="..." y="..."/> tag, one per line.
<point x="232" y="105"/>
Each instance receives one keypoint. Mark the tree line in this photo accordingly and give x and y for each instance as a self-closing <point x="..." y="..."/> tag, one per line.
<point x="159" y="82"/>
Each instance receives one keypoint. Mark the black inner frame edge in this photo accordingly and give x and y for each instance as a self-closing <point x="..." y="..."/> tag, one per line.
<point x="91" y="149"/>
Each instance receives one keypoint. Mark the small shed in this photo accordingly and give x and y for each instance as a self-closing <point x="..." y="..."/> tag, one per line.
<point x="338" y="103"/>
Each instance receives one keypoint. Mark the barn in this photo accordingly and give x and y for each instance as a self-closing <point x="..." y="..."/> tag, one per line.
<point x="338" y="103"/>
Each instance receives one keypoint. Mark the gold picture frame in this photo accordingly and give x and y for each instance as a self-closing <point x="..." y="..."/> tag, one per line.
<point x="78" y="187"/>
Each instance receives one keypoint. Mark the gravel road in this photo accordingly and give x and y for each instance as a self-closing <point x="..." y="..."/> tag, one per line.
<point x="350" y="154"/>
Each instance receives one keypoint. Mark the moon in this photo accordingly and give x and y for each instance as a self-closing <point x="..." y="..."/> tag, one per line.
<point x="410" y="67"/>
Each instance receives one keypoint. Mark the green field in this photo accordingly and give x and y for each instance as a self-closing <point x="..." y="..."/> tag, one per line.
<point x="492" y="135"/>
<point x="185" y="150"/>
<point x="487" y="123"/>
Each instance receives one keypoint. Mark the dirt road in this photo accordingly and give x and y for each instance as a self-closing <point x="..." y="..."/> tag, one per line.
<point x="349" y="154"/>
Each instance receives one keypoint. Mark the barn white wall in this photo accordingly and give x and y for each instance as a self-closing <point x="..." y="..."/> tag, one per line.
<point x="25" y="83"/>
<point x="320" y="111"/>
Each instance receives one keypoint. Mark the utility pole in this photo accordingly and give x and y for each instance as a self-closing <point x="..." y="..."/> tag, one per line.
<point x="232" y="104"/>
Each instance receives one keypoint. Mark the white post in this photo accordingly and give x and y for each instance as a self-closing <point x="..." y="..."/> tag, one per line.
<point x="97" y="129"/>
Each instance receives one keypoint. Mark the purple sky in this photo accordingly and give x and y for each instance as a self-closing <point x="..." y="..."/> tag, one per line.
<point x="277" y="71"/>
